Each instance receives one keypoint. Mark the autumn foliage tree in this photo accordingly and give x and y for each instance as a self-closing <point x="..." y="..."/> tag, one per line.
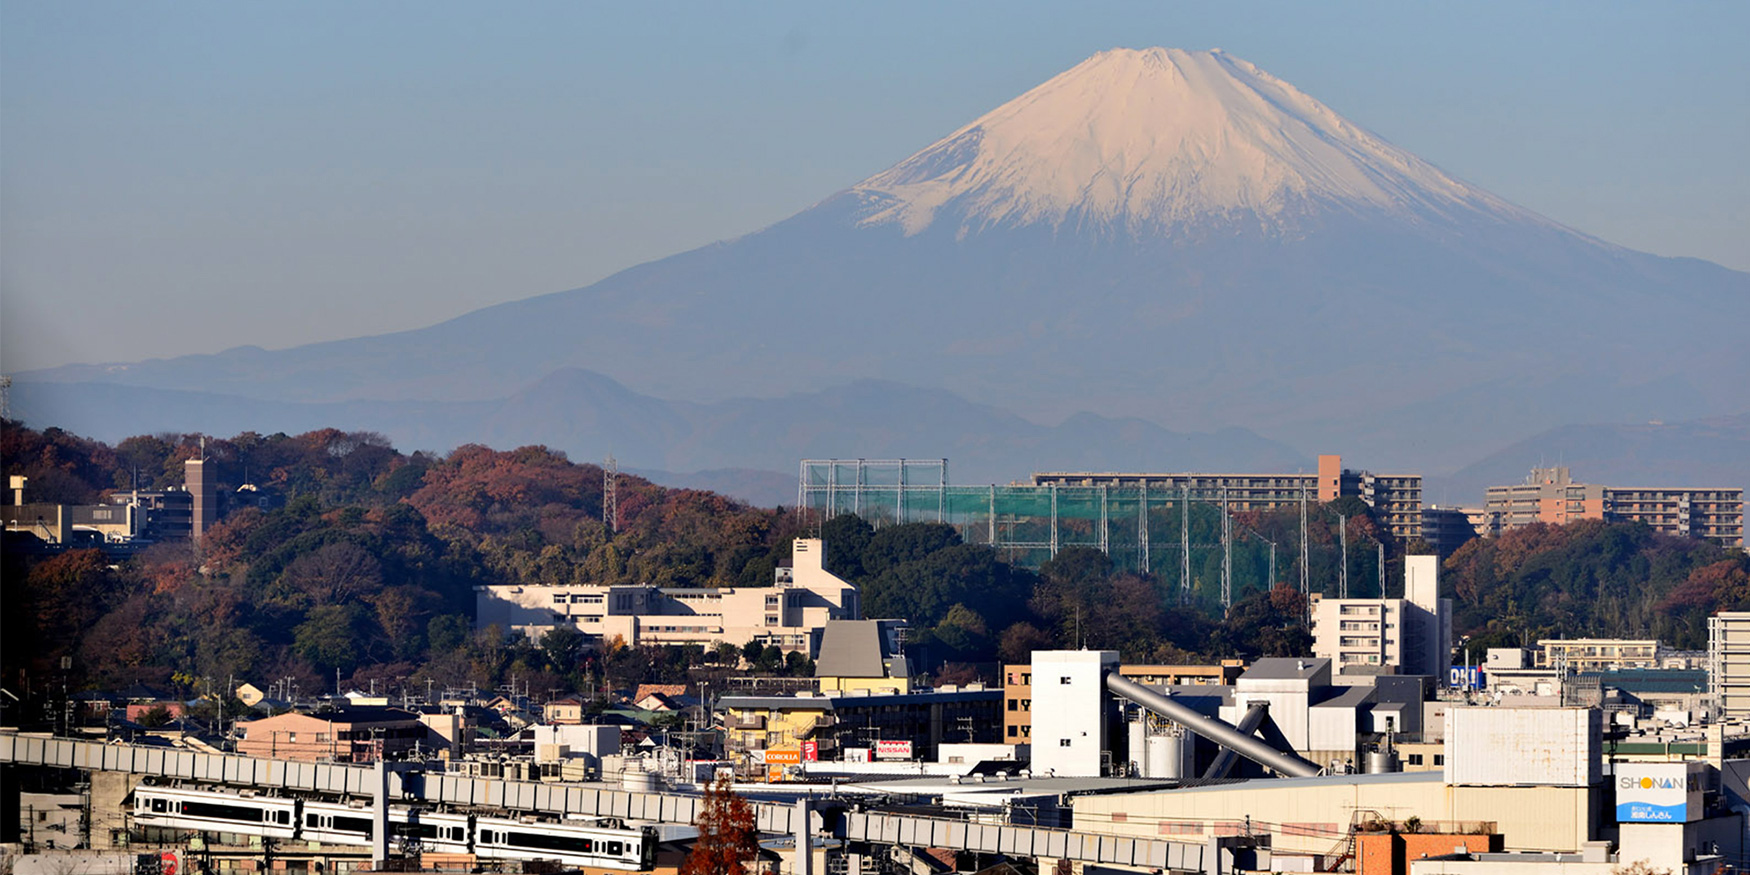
<point x="728" y="840"/>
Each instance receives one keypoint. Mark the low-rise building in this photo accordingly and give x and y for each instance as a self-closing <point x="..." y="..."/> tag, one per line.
<point x="354" y="735"/>
<point x="1598" y="654"/>
<point x="769" y="730"/>
<point x="790" y="614"/>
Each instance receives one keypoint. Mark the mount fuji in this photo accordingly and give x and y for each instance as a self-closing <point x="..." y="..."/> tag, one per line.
<point x="1161" y="235"/>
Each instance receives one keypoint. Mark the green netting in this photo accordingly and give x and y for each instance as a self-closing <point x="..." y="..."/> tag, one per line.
<point x="1175" y="535"/>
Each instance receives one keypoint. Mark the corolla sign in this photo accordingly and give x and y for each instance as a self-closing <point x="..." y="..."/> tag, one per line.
<point x="1657" y="793"/>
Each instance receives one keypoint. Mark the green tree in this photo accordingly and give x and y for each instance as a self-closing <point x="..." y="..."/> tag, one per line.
<point x="330" y="636"/>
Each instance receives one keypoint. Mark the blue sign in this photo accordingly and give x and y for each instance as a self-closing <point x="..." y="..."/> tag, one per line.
<point x="1459" y="675"/>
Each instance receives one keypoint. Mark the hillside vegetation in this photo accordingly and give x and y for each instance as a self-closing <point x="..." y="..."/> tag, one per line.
<point x="368" y="570"/>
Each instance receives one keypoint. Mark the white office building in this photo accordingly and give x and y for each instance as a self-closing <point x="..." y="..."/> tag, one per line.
<point x="1411" y="635"/>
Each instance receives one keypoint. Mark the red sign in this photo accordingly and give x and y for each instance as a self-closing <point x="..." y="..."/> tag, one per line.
<point x="893" y="750"/>
<point x="811" y="751"/>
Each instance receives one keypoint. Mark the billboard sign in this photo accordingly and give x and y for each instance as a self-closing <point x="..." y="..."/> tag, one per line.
<point x="783" y="756"/>
<point x="1466" y="677"/>
<point x="811" y="751"/>
<point x="1657" y="793"/>
<point x="893" y="750"/>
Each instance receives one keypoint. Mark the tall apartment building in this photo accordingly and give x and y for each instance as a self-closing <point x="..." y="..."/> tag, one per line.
<point x="1447" y="528"/>
<point x="791" y="614"/>
<point x="1728" y="651"/>
<point x="1412" y="635"/>
<point x="1549" y="495"/>
<point x="1396" y="498"/>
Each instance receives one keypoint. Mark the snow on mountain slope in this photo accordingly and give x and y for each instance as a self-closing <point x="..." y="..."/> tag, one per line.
<point x="1144" y="140"/>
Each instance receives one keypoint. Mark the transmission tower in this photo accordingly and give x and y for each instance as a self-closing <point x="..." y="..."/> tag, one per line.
<point x="1227" y="556"/>
<point x="1343" y="546"/>
<point x="1303" y="570"/>
<point x="611" y="501"/>
<point x="1380" y="562"/>
<point x="5" y="397"/>
<point x="1184" y="545"/>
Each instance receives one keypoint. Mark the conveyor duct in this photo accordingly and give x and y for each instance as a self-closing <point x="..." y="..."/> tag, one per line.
<point x="1221" y="732"/>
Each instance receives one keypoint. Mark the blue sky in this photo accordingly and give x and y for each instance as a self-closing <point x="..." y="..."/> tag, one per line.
<point x="189" y="177"/>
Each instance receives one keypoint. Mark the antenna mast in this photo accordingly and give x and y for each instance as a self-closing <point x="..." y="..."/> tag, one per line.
<point x="610" y="500"/>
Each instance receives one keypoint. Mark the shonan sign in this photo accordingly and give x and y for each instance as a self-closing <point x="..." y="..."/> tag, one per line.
<point x="1657" y="793"/>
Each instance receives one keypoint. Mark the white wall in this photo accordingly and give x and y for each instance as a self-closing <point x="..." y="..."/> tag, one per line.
<point x="1070" y="705"/>
<point x="1515" y="746"/>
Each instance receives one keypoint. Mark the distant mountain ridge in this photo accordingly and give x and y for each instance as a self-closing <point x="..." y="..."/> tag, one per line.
<point x="1708" y="453"/>
<point x="1169" y="236"/>
<point x="589" y="416"/>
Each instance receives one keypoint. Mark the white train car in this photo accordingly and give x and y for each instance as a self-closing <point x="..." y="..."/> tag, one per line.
<point x="335" y="824"/>
<point x="602" y="847"/>
<point x="216" y="812"/>
<point x="435" y="832"/>
<point x="631" y="850"/>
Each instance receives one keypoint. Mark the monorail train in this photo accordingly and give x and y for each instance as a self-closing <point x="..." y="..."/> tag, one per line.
<point x="334" y="823"/>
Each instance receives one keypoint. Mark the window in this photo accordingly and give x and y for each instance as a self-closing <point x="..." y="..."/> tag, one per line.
<point x="1064" y="680"/>
<point x="1414" y="759"/>
<point x="1440" y="759"/>
<point x="1014" y="704"/>
<point x="1014" y="731"/>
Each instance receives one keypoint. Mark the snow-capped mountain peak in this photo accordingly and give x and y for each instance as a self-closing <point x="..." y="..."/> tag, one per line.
<point x="1143" y="140"/>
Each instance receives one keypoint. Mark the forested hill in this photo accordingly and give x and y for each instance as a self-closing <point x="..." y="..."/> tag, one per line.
<point x="368" y="568"/>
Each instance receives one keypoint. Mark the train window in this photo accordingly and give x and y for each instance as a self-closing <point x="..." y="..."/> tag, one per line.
<point x="285" y="818"/>
<point x="311" y="819"/>
<point x="361" y="825"/>
<point x="487" y="835"/>
<point x="615" y="849"/>
<point x="159" y="806"/>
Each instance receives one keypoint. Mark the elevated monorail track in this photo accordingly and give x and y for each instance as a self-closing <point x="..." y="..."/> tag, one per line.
<point x="561" y="800"/>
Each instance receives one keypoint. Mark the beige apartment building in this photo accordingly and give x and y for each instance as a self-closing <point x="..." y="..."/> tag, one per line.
<point x="1550" y="495"/>
<point x="790" y="614"/>
<point x="1598" y="654"/>
<point x="1411" y="635"/>
<point x="1396" y="498"/>
<point x="1728" y="650"/>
